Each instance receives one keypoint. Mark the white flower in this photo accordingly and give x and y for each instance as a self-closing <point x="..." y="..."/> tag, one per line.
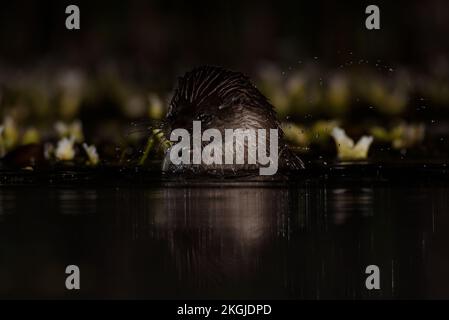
<point x="65" y="150"/>
<point x="92" y="154"/>
<point x="74" y="129"/>
<point x="346" y="148"/>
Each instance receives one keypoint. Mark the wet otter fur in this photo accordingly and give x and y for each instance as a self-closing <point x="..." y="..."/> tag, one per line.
<point x="223" y="99"/>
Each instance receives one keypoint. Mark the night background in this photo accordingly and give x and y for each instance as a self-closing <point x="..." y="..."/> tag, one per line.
<point x="313" y="60"/>
<point x="81" y="150"/>
<point x="156" y="38"/>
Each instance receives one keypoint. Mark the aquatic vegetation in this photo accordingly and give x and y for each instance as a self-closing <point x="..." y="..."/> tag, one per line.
<point x="42" y="108"/>
<point x="157" y="142"/>
<point x="31" y="135"/>
<point x="92" y="154"/>
<point x="72" y="130"/>
<point x="298" y="94"/>
<point x="65" y="149"/>
<point x="12" y="136"/>
<point x="134" y="105"/>
<point x="338" y="94"/>
<point x="271" y="83"/>
<point x="346" y="148"/>
<point x="401" y="136"/>
<point x="2" y="144"/>
<point x="155" y="107"/>
<point x="295" y="134"/>
<point x="321" y="130"/>
<point x="49" y="151"/>
<point x="71" y="86"/>
<point x="388" y="96"/>
<point x="10" y="133"/>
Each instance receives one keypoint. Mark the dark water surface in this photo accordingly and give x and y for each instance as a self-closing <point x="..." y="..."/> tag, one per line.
<point x="219" y="239"/>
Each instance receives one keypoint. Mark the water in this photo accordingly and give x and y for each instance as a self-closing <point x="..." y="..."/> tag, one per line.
<point x="312" y="238"/>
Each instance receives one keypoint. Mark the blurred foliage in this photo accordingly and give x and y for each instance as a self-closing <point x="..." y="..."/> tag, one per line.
<point x="121" y="117"/>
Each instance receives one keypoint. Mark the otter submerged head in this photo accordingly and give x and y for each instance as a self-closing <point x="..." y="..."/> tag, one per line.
<point x="214" y="106"/>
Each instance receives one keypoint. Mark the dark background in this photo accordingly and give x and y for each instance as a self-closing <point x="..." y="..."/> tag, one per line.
<point x="157" y="39"/>
<point x="311" y="241"/>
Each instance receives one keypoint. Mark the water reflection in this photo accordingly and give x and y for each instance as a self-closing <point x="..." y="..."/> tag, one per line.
<point x="219" y="241"/>
<point x="221" y="237"/>
<point x="347" y="202"/>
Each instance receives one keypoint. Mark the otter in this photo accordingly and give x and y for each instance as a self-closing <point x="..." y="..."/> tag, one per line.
<point x="223" y="99"/>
